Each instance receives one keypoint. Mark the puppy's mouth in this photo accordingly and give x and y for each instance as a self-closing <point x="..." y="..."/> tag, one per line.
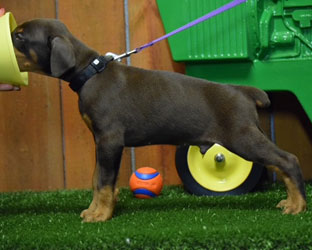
<point x="25" y="63"/>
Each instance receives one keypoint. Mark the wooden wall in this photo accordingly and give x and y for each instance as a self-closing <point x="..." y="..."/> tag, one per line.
<point x="293" y="129"/>
<point x="44" y="144"/>
<point x="31" y="148"/>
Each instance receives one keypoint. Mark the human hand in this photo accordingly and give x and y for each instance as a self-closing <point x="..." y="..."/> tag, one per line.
<point x="8" y="87"/>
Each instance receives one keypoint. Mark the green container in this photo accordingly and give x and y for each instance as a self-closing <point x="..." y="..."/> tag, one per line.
<point x="261" y="43"/>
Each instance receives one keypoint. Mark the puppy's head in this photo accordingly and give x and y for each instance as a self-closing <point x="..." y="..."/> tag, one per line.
<point x="44" y="46"/>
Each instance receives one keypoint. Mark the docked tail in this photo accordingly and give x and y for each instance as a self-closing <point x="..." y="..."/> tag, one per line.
<point x="257" y="95"/>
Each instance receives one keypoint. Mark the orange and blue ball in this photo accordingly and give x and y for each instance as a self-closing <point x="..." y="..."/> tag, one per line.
<point x="145" y="183"/>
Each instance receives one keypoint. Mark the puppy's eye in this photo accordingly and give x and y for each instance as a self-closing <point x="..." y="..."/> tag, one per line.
<point x="19" y="36"/>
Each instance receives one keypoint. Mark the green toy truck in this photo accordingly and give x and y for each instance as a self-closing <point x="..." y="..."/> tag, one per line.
<point x="261" y="43"/>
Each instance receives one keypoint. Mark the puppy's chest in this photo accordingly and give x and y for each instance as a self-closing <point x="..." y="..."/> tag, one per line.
<point x="87" y="120"/>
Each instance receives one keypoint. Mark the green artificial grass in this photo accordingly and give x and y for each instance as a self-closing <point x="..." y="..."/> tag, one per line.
<point x="175" y="220"/>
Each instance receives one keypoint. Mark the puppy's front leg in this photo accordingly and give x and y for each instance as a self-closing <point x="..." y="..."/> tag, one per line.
<point x="108" y="156"/>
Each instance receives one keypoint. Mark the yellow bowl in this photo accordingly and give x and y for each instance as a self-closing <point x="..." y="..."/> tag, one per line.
<point x="9" y="70"/>
<point x="218" y="176"/>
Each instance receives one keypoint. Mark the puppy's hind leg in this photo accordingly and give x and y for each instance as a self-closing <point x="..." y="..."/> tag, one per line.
<point x="108" y="157"/>
<point x="253" y="145"/>
<point x="204" y="148"/>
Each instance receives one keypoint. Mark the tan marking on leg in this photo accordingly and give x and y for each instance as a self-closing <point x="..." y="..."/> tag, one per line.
<point x="103" y="203"/>
<point x="87" y="212"/>
<point x="92" y="207"/>
<point x="106" y="200"/>
<point x="294" y="203"/>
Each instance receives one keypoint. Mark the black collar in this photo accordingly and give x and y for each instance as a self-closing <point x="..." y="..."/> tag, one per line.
<point x="96" y="66"/>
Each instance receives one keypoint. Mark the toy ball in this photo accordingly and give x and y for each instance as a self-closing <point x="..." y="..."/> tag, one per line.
<point x="146" y="183"/>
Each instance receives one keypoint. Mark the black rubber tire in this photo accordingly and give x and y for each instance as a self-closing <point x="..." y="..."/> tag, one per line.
<point x="195" y="188"/>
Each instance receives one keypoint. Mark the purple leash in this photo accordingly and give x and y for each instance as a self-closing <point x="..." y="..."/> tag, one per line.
<point x="187" y="26"/>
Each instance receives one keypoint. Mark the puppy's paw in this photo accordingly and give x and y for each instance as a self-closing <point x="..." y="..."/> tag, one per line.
<point x="294" y="209"/>
<point x="85" y="213"/>
<point x="290" y="207"/>
<point x="102" y="205"/>
<point x="282" y="204"/>
<point x="97" y="216"/>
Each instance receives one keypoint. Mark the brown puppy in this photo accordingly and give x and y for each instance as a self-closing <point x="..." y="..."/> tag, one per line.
<point x="128" y="106"/>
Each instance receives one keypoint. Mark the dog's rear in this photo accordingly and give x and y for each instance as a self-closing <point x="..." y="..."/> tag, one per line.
<point x="259" y="96"/>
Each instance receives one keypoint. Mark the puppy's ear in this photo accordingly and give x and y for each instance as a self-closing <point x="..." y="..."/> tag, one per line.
<point x="62" y="56"/>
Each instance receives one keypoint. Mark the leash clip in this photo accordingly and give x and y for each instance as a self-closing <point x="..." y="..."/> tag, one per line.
<point x="124" y="55"/>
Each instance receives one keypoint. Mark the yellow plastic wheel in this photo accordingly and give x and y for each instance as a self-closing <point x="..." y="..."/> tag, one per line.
<point x="219" y="169"/>
<point x="218" y="172"/>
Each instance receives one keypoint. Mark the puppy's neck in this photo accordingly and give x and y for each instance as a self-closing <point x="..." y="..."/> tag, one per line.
<point x="84" y="56"/>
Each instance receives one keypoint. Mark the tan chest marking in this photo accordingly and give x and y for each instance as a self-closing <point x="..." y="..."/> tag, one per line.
<point x="88" y="121"/>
